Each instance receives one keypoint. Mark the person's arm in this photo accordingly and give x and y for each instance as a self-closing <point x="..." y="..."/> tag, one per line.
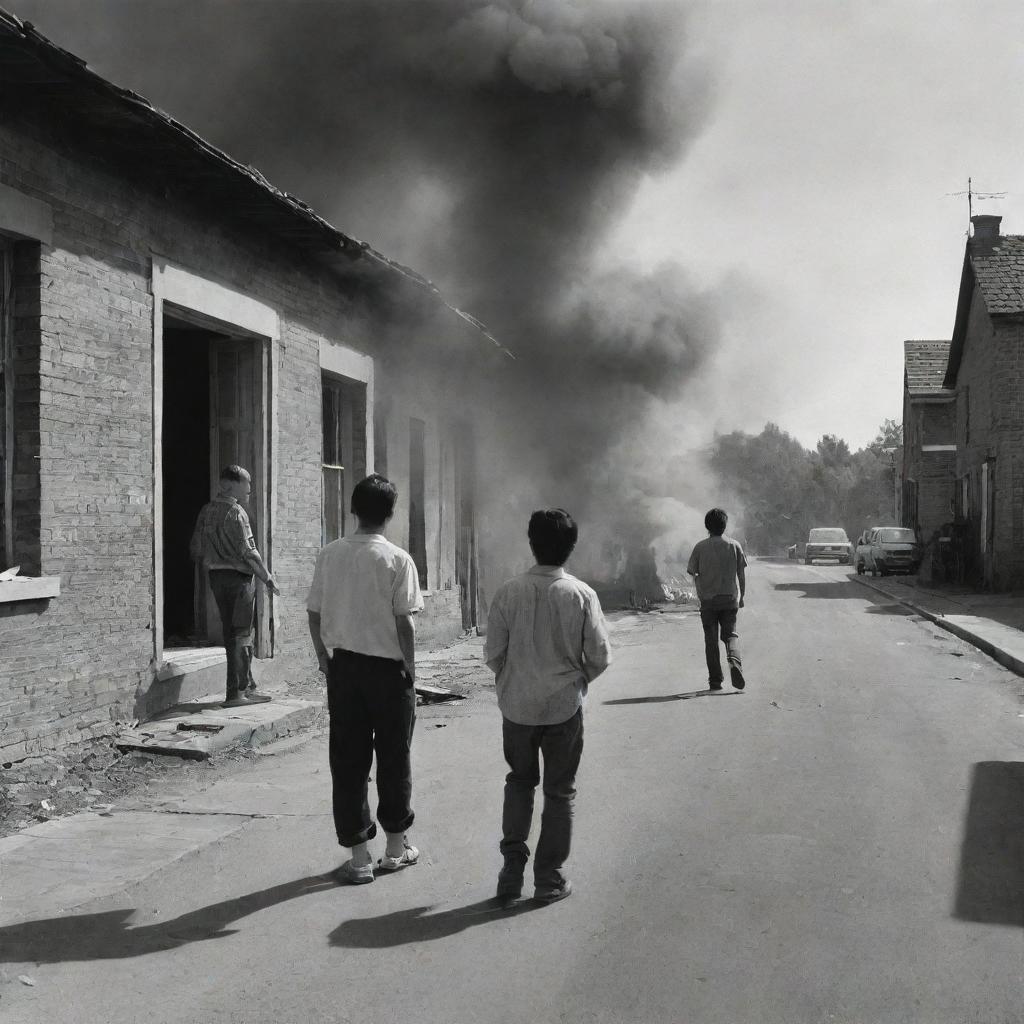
<point x="693" y="565"/>
<point x="741" y="575"/>
<point x="597" y="652"/>
<point x="406" y="627"/>
<point x="322" y="654"/>
<point x="496" y="644"/>
<point x="247" y="550"/>
<point x="195" y="545"/>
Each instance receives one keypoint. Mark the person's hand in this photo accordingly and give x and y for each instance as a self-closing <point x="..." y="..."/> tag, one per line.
<point x="323" y="660"/>
<point x="273" y="587"/>
<point x="741" y="602"/>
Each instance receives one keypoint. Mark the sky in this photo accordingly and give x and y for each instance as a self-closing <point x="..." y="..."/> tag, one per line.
<point x="822" y="183"/>
<point x="694" y="216"/>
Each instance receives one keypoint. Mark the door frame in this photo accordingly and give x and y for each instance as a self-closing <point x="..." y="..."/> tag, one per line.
<point x="225" y="308"/>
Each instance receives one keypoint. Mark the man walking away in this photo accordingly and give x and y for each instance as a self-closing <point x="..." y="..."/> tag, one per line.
<point x="361" y="605"/>
<point x="222" y="540"/>
<point x="546" y="641"/>
<point x="718" y="566"/>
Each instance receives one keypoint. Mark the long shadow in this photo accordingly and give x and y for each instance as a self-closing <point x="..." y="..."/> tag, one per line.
<point x="889" y="609"/>
<point x="825" y="589"/>
<point x="418" y="925"/>
<point x="108" y="935"/>
<point x="990" y="886"/>
<point x="674" y="696"/>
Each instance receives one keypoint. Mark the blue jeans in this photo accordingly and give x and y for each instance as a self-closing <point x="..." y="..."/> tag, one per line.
<point x="372" y="705"/>
<point x="561" y="746"/>
<point x="720" y="622"/>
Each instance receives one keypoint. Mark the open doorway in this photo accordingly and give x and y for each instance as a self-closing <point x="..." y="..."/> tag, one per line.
<point x="214" y="415"/>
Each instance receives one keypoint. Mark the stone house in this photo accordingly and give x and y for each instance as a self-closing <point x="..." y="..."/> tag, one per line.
<point x="166" y="311"/>
<point x="928" y="473"/>
<point x="986" y="370"/>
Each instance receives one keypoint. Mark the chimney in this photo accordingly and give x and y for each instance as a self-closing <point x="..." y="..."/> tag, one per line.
<point x="986" y="229"/>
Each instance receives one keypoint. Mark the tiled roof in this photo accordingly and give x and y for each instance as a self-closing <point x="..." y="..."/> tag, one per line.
<point x="925" y="365"/>
<point x="1000" y="273"/>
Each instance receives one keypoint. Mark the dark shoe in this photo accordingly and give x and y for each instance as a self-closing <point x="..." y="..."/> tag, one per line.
<point x="351" y="874"/>
<point x="736" y="675"/>
<point x="510" y="880"/>
<point x="552" y="893"/>
<point x="252" y="697"/>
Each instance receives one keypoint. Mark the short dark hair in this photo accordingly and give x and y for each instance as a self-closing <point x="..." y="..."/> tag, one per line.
<point x="553" y="533"/>
<point x="715" y="521"/>
<point x="236" y="474"/>
<point x="373" y="499"/>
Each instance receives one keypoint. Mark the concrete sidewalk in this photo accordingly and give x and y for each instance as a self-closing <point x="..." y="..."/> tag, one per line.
<point x="52" y="868"/>
<point x="994" y="623"/>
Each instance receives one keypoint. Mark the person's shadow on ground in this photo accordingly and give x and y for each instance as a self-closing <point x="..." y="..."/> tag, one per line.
<point x="416" y="924"/>
<point x="675" y="696"/>
<point x="109" y="935"/>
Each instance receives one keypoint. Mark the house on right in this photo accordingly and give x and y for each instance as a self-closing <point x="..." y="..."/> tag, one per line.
<point x="986" y="370"/>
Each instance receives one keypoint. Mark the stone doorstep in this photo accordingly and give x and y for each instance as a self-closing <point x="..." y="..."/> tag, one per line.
<point x="215" y="728"/>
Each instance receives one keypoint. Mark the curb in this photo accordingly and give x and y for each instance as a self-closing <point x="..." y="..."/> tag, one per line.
<point x="993" y="650"/>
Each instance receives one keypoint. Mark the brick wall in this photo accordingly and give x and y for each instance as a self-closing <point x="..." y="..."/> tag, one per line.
<point x="72" y="666"/>
<point x="990" y="427"/>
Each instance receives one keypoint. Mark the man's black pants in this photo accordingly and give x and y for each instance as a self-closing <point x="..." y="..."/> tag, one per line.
<point x="372" y="704"/>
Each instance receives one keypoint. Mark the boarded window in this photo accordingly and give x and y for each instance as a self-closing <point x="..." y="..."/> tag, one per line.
<point x="417" y="498"/>
<point x="6" y="404"/>
<point x="20" y="496"/>
<point x="344" y="451"/>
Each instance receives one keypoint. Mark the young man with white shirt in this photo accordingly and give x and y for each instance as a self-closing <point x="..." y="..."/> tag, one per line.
<point x="361" y="605"/>
<point x="718" y="567"/>
<point x="546" y="641"/>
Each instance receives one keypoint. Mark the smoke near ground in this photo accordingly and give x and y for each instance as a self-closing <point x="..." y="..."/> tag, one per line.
<point x="492" y="146"/>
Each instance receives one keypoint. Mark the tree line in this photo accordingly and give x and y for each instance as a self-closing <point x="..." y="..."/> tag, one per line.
<point x="782" y="489"/>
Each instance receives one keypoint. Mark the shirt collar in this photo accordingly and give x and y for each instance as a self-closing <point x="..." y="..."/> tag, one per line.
<point x="227" y="499"/>
<point x="547" y="570"/>
<point x="365" y="538"/>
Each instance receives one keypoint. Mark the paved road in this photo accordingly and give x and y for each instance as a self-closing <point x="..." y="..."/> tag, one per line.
<point x="840" y="843"/>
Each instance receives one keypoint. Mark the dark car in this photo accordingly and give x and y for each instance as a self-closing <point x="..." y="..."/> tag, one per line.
<point x="827" y="542"/>
<point x="894" y="549"/>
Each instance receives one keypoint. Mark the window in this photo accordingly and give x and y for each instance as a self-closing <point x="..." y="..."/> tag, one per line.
<point x="6" y="405"/>
<point x="417" y="498"/>
<point x="343" y="459"/>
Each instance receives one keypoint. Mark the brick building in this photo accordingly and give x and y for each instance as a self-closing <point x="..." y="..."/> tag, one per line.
<point x="165" y="311"/>
<point x="986" y="369"/>
<point x="929" y="438"/>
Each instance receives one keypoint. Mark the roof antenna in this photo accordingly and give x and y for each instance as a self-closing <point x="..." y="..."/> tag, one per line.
<point x="972" y="195"/>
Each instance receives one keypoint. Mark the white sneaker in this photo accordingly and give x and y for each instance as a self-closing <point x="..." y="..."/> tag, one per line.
<point x="409" y="857"/>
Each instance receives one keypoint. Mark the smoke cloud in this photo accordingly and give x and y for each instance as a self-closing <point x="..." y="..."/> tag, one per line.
<point x="492" y="146"/>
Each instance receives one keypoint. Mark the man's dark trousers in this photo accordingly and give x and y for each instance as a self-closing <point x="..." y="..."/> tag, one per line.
<point x="561" y="746"/>
<point x="720" y="622"/>
<point x="372" y="705"/>
<point x="235" y="594"/>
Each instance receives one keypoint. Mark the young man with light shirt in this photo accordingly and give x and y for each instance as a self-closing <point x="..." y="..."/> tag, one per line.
<point x="361" y="605"/>
<point x="546" y="641"/>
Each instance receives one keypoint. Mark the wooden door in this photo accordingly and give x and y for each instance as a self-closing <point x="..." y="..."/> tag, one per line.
<point x="238" y="418"/>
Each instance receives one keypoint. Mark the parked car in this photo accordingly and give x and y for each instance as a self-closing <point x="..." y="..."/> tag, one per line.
<point x="828" y="542"/>
<point x="894" y="549"/>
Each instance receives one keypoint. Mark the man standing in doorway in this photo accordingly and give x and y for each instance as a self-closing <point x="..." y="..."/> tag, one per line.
<point x="365" y="593"/>
<point x="546" y="641"/>
<point x="223" y="542"/>
<point x="718" y="567"/>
